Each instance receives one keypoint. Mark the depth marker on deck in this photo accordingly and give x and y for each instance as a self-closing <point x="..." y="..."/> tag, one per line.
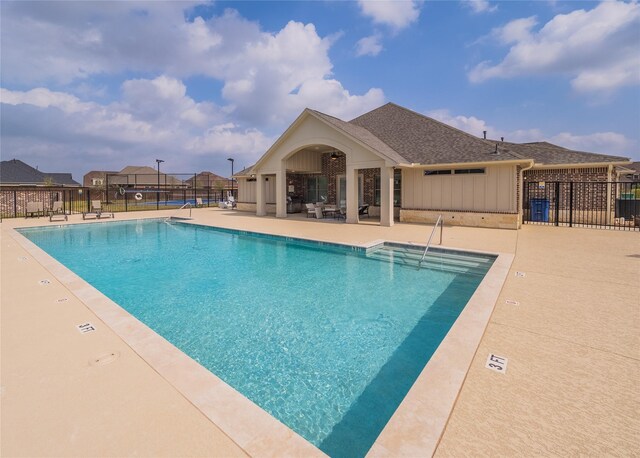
<point x="511" y="302"/>
<point x="85" y="328"/>
<point x="44" y="282"/>
<point x="496" y="363"/>
<point x="520" y="274"/>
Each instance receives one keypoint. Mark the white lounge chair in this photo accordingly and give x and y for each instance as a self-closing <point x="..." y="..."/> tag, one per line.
<point x="311" y="210"/>
<point x="57" y="211"/>
<point x="34" y="208"/>
<point x="96" y="211"/>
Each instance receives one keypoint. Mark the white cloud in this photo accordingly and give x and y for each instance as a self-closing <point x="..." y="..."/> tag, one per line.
<point x="153" y="118"/>
<point x="263" y="74"/>
<point x="395" y="14"/>
<point x="480" y="6"/>
<point x="369" y="46"/>
<point x="603" y="142"/>
<point x="598" y="48"/>
<point x="599" y="142"/>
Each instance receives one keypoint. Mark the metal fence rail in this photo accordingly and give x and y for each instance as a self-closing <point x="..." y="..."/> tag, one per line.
<point x="14" y="199"/>
<point x="611" y="205"/>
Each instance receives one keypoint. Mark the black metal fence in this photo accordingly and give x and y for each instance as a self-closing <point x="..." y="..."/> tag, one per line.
<point x="612" y="205"/>
<point x="14" y="199"/>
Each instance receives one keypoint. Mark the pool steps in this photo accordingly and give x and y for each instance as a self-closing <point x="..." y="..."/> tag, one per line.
<point x="436" y="259"/>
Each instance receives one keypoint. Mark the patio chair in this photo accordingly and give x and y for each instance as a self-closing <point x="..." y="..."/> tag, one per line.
<point x="222" y="204"/>
<point x="232" y="202"/>
<point x="199" y="202"/>
<point x="34" y="208"/>
<point x="311" y="210"/>
<point x="363" y="210"/>
<point x="96" y="211"/>
<point x="57" y="211"/>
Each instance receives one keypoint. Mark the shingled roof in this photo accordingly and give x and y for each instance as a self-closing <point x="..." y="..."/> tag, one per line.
<point x="16" y="172"/>
<point x="549" y="154"/>
<point x="423" y="140"/>
<point x="418" y="139"/>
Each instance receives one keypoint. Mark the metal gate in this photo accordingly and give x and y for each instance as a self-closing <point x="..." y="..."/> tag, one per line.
<point x="610" y="205"/>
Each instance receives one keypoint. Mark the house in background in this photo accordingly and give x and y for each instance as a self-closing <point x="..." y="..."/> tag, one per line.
<point x="408" y="166"/>
<point x="96" y="178"/>
<point x="132" y="176"/>
<point x="209" y="180"/>
<point x="17" y="173"/>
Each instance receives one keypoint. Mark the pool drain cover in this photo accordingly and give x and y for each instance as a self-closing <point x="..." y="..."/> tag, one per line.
<point x="104" y="359"/>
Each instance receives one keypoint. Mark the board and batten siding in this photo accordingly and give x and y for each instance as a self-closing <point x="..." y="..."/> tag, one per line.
<point x="305" y="161"/>
<point x="247" y="190"/>
<point x="493" y="191"/>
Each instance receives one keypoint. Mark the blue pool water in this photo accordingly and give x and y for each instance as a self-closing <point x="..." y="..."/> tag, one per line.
<point x="326" y="339"/>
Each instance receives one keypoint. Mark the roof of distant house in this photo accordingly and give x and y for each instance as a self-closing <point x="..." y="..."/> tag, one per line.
<point x="16" y="172"/>
<point x="210" y="176"/>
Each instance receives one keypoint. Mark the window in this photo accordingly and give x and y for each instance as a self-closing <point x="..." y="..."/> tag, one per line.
<point x="97" y="181"/>
<point x="397" y="189"/>
<point x="466" y="171"/>
<point x="436" y="172"/>
<point x="451" y="172"/>
<point x="316" y="189"/>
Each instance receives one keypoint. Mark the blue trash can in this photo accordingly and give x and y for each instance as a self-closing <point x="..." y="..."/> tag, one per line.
<point x="539" y="210"/>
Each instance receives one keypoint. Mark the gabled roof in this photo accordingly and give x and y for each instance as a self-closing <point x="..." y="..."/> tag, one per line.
<point x="419" y="139"/>
<point x="404" y="137"/>
<point x="144" y="175"/>
<point x="206" y="176"/>
<point x="363" y="135"/>
<point x="16" y="172"/>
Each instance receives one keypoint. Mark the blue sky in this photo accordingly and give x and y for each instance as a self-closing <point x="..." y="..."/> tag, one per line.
<point x="102" y="85"/>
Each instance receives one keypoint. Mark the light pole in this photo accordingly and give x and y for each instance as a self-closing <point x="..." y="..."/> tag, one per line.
<point x="158" y="161"/>
<point x="231" y="159"/>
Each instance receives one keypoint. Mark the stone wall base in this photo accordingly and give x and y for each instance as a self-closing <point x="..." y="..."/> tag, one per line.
<point x="251" y="207"/>
<point x="472" y="219"/>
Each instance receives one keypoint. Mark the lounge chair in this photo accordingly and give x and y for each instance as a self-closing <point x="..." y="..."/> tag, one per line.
<point x="363" y="210"/>
<point x="96" y="211"/>
<point x="223" y="204"/>
<point x="57" y="211"/>
<point x="311" y="210"/>
<point x="34" y="208"/>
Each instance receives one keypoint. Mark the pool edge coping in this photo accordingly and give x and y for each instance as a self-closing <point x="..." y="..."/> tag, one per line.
<point x="406" y="432"/>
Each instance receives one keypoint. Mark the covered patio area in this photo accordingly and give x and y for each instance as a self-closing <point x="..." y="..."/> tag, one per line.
<point x="317" y="161"/>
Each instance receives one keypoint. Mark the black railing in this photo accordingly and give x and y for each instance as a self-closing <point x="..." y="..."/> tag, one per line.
<point x="14" y="199"/>
<point x="613" y="205"/>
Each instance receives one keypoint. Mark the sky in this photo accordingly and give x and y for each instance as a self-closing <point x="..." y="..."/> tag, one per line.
<point x="103" y="85"/>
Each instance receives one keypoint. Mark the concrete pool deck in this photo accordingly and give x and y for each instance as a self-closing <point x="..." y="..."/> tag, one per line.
<point x="572" y="344"/>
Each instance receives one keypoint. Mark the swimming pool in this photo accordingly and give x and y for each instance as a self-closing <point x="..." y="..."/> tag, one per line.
<point x="325" y="338"/>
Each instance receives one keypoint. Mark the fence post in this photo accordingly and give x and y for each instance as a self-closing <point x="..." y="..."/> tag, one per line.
<point x="571" y="204"/>
<point x="15" y="203"/>
<point x="557" y="216"/>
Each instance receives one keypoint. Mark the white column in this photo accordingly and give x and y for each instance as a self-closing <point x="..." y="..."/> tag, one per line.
<point x="352" y="194"/>
<point x="261" y="206"/>
<point x="281" y="192"/>
<point x="386" y="196"/>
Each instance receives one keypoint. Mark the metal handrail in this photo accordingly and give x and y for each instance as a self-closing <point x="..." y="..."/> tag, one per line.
<point x="188" y="204"/>
<point x="439" y="221"/>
